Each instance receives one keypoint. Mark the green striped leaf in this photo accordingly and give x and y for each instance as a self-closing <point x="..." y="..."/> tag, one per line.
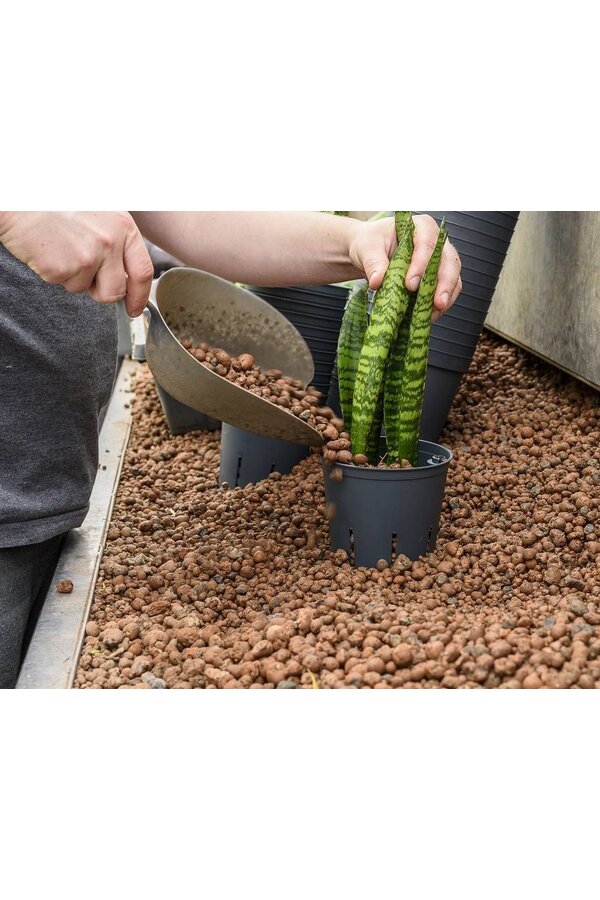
<point x="391" y="303"/>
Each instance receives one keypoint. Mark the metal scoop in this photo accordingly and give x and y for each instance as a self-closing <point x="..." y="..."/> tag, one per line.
<point x="195" y="305"/>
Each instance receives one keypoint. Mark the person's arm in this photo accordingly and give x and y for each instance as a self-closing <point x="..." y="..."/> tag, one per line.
<point x="104" y="253"/>
<point x="270" y="248"/>
<point x="287" y="248"/>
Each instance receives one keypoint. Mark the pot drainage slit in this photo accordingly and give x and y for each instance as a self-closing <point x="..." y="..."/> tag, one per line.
<point x="237" y="474"/>
<point x="351" y="534"/>
<point x="429" y="547"/>
<point x="394" y="546"/>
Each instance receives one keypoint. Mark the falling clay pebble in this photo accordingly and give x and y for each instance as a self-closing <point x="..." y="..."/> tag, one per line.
<point x="65" y="587"/>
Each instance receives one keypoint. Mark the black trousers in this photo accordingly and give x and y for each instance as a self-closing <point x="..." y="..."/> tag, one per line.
<point x="25" y="576"/>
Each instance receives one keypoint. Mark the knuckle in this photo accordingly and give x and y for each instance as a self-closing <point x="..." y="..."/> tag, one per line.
<point x="144" y="270"/>
<point x="426" y="219"/>
<point x="54" y="273"/>
<point x="451" y="254"/>
<point x="107" y="241"/>
<point x="49" y="277"/>
<point x="125" y="219"/>
<point x="86" y="259"/>
<point x="428" y="243"/>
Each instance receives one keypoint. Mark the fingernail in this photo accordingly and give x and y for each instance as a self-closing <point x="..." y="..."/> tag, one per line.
<point x="414" y="282"/>
<point x="444" y="298"/>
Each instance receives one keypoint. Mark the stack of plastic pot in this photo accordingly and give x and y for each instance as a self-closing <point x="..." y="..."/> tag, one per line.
<point x="317" y="314"/>
<point x="482" y="240"/>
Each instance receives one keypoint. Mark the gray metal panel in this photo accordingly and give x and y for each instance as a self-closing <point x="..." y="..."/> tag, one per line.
<point x="548" y="296"/>
<point x="52" y="656"/>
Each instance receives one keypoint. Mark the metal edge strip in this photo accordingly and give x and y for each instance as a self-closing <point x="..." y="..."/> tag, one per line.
<point x="53" y="652"/>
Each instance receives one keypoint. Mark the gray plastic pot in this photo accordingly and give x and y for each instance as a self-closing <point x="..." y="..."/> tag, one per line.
<point x="441" y="387"/>
<point x="247" y="458"/>
<point x="456" y="343"/>
<point x="181" y="418"/>
<point x="458" y="321"/>
<point x="482" y="240"/>
<point x="307" y="308"/>
<point x="325" y="296"/>
<point x="381" y="513"/>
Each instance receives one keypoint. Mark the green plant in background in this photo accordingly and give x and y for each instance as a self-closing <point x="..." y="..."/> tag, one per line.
<point x="385" y="377"/>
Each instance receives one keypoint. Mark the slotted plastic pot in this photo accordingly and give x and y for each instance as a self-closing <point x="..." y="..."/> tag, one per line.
<point x="381" y="513"/>
<point x="247" y="458"/>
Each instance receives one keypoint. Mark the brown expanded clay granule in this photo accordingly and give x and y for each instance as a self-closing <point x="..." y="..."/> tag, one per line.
<point x="205" y="587"/>
<point x="64" y="587"/>
<point x="271" y="384"/>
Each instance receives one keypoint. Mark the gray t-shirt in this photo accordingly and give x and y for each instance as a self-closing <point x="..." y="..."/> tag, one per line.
<point x="58" y="355"/>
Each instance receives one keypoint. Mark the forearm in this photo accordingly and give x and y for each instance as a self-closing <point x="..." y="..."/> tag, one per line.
<point x="269" y="248"/>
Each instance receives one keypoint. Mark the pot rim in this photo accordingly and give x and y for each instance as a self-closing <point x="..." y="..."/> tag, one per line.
<point x="381" y="473"/>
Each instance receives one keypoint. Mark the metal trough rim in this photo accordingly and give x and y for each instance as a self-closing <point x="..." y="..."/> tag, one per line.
<point x="53" y="653"/>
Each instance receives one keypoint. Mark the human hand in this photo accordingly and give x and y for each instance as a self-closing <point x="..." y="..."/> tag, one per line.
<point x="99" y="252"/>
<point x="374" y="244"/>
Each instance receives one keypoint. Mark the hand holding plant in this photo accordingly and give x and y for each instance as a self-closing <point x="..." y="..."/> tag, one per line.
<point x="375" y="243"/>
